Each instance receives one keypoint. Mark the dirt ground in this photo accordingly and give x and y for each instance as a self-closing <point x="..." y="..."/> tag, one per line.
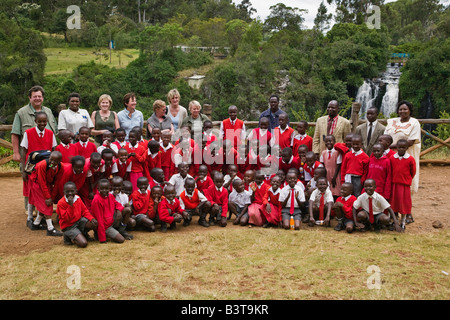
<point x="431" y="204"/>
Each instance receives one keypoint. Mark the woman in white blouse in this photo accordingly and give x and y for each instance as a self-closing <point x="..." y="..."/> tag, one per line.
<point x="74" y="118"/>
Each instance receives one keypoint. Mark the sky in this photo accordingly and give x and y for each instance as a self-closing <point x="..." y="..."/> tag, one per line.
<point x="262" y="7"/>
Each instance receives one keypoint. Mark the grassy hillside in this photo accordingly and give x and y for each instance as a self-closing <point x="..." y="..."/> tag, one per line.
<point x="63" y="60"/>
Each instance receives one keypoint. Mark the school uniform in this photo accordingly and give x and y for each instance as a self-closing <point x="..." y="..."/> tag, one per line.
<point x="72" y="218"/>
<point x="254" y="210"/>
<point x="178" y="182"/>
<point x="167" y="163"/>
<point x="42" y="184"/>
<point x="233" y="131"/>
<point x="203" y="184"/>
<point x="300" y="139"/>
<point x="137" y="167"/>
<point x="354" y="169"/>
<point x="191" y="156"/>
<point x="282" y="137"/>
<point x="120" y="168"/>
<point x="218" y="196"/>
<point x="240" y="200"/>
<point x="331" y="159"/>
<point x="262" y="135"/>
<point x="380" y="171"/>
<point x="292" y="163"/>
<point x="68" y="151"/>
<point x="112" y="147"/>
<point x="103" y="209"/>
<point x="96" y="174"/>
<point x="209" y="137"/>
<point x="35" y="140"/>
<point x="404" y="169"/>
<point x="119" y="144"/>
<point x="347" y="207"/>
<point x="152" y="160"/>
<point x="272" y="198"/>
<point x="388" y="153"/>
<point x="163" y="210"/>
<point x="320" y="201"/>
<point x="229" y="158"/>
<point x="309" y="171"/>
<point x="291" y="207"/>
<point x="140" y="203"/>
<point x="374" y="205"/>
<point x="85" y="149"/>
<point x="189" y="202"/>
<point x="70" y="175"/>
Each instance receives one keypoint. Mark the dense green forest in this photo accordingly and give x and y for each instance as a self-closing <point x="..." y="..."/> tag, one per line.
<point x="306" y="67"/>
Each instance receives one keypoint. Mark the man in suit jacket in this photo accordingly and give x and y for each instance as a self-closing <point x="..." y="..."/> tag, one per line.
<point x="332" y="124"/>
<point x="368" y="135"/>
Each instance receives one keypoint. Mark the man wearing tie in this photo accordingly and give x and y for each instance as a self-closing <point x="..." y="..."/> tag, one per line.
<point x="332" y="124"/>
<point x="371" y="130"/>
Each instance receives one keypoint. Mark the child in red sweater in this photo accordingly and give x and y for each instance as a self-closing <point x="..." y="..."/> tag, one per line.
<point x="203" y="180"/>
<point x="287" y="160"/>
<point x="84" y="147"/>
<point x="152" y="157"/>
<point x="404" y="166"/>
<point x="166" y="148"/>
<point x="271" y="208"/>
<point x="122" y="165"/>
<point x="35" y="139"/>
<point x="75" y="171"/>
<point x="379" y="169"/>
<point x="194" y="202"/>
<point x="170" y="210"/>
<point x="258" y="189"/>
<point x="120" y="135"/>
<point x="217" y="195"/>
<point x="343" y="208"/>
<point x="283" y="135"/>
<point x="67" y="149"/>
<point x="136" y="153"/>
<point x="386" y="141"/>
<point x="301" y="138"/>
<point x="354" y="166"/>
<point x="75" y="219"/>
<point x="311" y="164"/>
<point x="213" y="157"/>
<point x="140" y="201"/>
<point x="108" y="213"/>
<point x="233" y="129"/>
<point x="42" y="182"/>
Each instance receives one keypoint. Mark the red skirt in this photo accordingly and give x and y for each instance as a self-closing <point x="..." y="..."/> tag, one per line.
<point x="36" y="198"/>
<point x="255" y="215"/>
<point x="133" y="177"/>
<point x="401" y="198"/>
<point x="272" y="217"/>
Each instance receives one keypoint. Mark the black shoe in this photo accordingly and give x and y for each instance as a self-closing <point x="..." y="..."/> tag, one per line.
<point x="173" y="226"/>
<point x="36" y="227"/>
<point x="203" y="223"/>
<point x="54" y="233"/>
<point x="163" y="228"/>
<point x="211" y="222"/>
<point x="266" y="225"/>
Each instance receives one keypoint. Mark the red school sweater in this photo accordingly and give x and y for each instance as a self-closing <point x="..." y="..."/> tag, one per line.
<point x="85" y="151"/>
<point x="283" y="139"/>
<point x="167" y="163"/>
<point x="103" y="211"/>
<point x="356" y="165"/>
<point x="163" y="210"/>
<point x="380" y="171"/>
<point x="220" y="197"/>
<point x="137" y="160"/>
<point x="403" y="170"/>
<point x="36" y="143"/>
<point x="348" y="206"/>
<point x="69" y="214"/>
<point x="297" y="142"/>
<point x="141" y="202"/>
<point x="233" y="132"/>
<point x="67" y="151"/>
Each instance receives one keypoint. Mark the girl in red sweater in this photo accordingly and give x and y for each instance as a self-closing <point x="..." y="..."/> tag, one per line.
<point x="271" y="207"/>
<point x="258" y="189"/>
<point x="404" y="166"/>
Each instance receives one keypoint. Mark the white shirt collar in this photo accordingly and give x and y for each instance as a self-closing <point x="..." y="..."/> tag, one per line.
<point x="405" y="156"/>
<point x="290" y="160"/>
<point x="75" y="198"/>
<point x="83" y="143"/>
<point x="357" y="153"/>
<point x="283" y="130"/>
<point x="166" y="148"/>
<point x="386" y="151"/>
<point x="275" y="192"/>
<point x="39" y="132"/>
<point x="300" y="136"/>
<point x="220" y="190"/>
<point x="347" y="197"/>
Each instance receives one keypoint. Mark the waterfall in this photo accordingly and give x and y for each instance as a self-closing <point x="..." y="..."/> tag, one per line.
<point x="381" y="92"/>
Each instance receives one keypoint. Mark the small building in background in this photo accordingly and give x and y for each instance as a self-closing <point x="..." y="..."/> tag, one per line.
<point x="195" y="81"/>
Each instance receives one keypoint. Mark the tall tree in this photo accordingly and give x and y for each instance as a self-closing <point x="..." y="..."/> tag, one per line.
<point x="282" y="17"/>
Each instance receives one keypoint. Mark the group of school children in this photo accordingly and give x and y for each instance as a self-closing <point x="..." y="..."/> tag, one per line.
<point x="270" y="178"/>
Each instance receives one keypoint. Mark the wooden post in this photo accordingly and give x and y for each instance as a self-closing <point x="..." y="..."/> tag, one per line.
<point x="437" y="146"/>
<point x="356" y="106"/>
<point x="435" y="138"/>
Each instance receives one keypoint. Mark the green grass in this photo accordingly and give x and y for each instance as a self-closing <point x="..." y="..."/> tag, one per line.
<point x="64" y="60"/>
<point x="238" y="263"/>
